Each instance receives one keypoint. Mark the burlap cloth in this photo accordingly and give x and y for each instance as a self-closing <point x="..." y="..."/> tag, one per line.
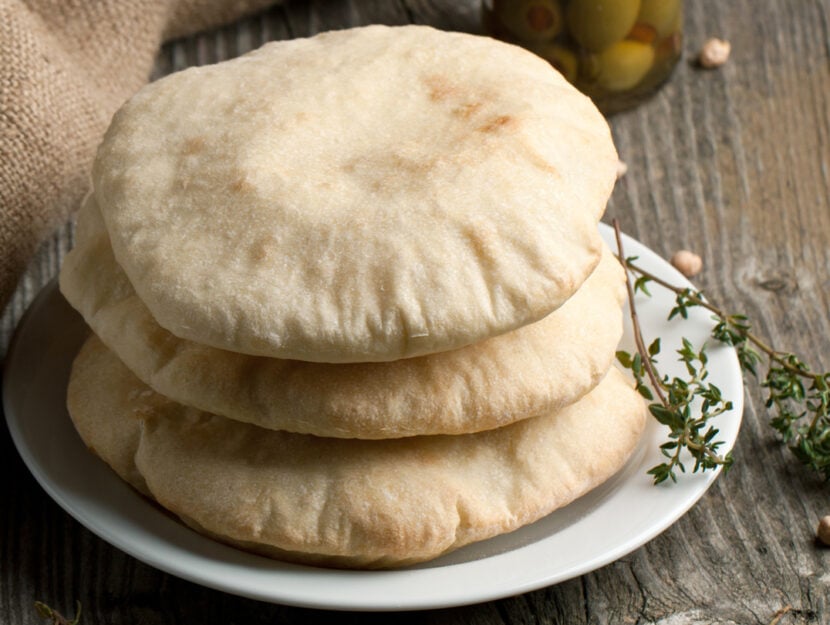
<point x="65" y="67"/>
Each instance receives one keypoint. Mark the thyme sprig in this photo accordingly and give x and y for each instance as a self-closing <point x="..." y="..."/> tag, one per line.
<point x="684" y="405"/>
<point x="45" y="612"/>
<point x="797" y="396"/>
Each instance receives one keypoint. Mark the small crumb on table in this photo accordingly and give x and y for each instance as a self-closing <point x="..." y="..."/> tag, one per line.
<point x="688" y="263"/>
<point x="622" y="168"/>
<point x="714" y="53"/>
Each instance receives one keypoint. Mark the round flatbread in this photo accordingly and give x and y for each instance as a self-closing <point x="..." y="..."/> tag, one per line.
<point x="535" y="369"/>
<point x="363" y="195"/>
<point x="351" y="502"/>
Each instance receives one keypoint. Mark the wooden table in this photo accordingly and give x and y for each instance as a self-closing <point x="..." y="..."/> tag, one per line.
<point x="732" y="163"/>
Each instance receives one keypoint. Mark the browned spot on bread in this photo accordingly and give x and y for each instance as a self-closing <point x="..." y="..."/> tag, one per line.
<point x="240" y="183"/>
<point x="482" y="241"/>
<point x="496" y="123"/>
<point x="263" y="248"/>
<point x="411" y="165"/>
<point x="467" y="110"/>
<point x="541" y="162"/>
<point x="193" y="145"/>
<point x="388" y="170"/>
<point x="439" y="87"/>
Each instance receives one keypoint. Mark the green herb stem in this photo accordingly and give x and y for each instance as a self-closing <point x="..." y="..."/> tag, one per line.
<point x="688" y="430"/>
<point x="779" y="357"/>
<point x="46" y="612"/>
<point x="635" y="323"/>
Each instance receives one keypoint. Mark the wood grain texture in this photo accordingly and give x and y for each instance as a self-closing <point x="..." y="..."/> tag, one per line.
<point x="732" y="163"/>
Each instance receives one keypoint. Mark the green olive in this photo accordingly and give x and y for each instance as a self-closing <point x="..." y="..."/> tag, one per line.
<point x="598" y="24"/>
<point x="663" y="15"/>
<point x="624" y="64"/>
<point x="561" y="58"/>
<point x="531" y="20"/>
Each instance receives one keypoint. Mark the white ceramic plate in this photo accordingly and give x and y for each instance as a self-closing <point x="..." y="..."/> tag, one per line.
<point x="597" y="529"/>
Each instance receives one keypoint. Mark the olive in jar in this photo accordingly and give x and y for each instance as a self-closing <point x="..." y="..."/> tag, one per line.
<point x="598" y="24"/>
<point x="662" y="15"/>
<point x="624" y="65"/>
<point x="530" y="20"/>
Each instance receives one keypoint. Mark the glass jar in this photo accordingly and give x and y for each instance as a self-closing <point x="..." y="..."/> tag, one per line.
<point x="616" y="51"/>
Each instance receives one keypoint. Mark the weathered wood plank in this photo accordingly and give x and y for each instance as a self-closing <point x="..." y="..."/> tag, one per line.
<point x="733" y="163"/>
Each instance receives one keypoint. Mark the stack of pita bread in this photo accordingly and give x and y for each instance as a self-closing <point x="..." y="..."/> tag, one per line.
<point x="350" y="302"/>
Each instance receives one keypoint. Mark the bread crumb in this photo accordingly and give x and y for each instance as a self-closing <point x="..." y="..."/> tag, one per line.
<point x="622" y="168"/>
<point x="714" y="53"/>
<point x="688" y="263"/>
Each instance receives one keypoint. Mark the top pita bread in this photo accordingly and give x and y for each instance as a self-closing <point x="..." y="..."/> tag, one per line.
<point x="363" y="195"/>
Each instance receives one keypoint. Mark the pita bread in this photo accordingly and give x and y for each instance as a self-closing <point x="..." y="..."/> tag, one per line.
<point x="364" y="195"/>
<point x="350" y="502"/>
<point x="538" y="368"/>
